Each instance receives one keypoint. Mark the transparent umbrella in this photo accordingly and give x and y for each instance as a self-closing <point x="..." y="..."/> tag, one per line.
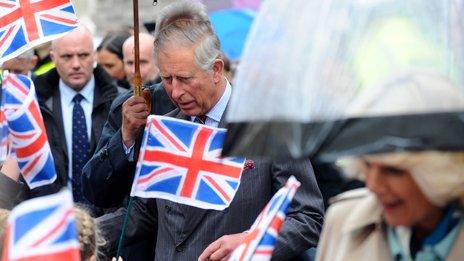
<point x="306" y="63"/>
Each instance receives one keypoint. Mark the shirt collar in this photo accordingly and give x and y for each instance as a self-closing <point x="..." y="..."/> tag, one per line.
<point x="67" y="93"/>
<point x="399" y="243"/>
<point x="218" y="110"/>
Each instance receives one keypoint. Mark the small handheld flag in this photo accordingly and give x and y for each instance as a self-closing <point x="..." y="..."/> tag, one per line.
<point x="28" y="138"/>
<point x="181" y="161"/>
<point x="3" y="127"/>
<point x="42" y="229"/>
<point x="28" y="23"/>
<point x="261" y="240"/>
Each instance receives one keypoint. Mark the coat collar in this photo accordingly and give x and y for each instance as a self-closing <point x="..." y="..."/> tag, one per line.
<point x="105" y="87"/>
<point x="177" y="113"/>
<point x="364" y="214"/>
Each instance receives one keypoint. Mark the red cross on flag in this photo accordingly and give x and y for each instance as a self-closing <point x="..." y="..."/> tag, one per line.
<point x="181" y="161"/>
<point x="27" y="23"/>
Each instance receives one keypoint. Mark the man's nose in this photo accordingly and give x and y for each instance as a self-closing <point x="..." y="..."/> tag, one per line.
<point x="177" y="89"/>
<point x="75" y="62"/>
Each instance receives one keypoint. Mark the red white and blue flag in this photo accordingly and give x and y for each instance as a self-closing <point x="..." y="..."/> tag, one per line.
<point x="3" y="137"/>
<point x="27" y="134"/>
<point x="181" y="161"/>
<point x="28" y="23"/>
<point x="260" y="242"/>
<point x="42" y="228"/>
<point x="3" y="129"/>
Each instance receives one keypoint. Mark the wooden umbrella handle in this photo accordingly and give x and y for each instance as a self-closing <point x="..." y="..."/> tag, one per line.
<point x="146" y="94"/>
<point x="137" y="81"/>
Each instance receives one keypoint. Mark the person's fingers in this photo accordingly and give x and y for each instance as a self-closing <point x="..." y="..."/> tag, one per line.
<point x="209" y="250"/>
<point x="137" y="115"/>
<point x="138" y="107"/>
<point x="134" y="100"/>
<point x="219" y="254"/>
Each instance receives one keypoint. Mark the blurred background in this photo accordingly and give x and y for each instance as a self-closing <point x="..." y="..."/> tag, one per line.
<point x="231" y="18"/>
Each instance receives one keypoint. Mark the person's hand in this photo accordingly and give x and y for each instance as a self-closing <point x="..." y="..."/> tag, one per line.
<point x="10" y="168"/>
<point x="222" y="248"/>
<point x="134" y="116"/>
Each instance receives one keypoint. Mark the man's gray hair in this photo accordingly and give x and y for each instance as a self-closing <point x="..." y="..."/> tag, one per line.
<point x="180" y="10"/>
<point x="186" y="23"/>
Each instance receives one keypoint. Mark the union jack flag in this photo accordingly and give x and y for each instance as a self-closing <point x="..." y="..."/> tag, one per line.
<point x="42" y="228"/>
<point x="260" y="242"/>
<point x="181" y="161"/>
<point x="27" y="23"/>
<point x="28" y="138"/>
<point x="3" y="128"/>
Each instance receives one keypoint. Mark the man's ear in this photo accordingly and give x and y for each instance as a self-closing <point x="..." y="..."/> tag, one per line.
<point x="52" y="56"/>
<point x="218" y="70"/>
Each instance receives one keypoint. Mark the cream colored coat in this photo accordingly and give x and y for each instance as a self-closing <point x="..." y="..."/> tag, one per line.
<point x="354" y="230"/>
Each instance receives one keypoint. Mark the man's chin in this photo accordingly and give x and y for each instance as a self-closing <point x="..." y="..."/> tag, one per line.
<point x="190" y="112"/>
<point x="76" y="85"/>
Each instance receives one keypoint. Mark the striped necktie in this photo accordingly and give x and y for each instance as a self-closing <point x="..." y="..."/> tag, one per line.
<point x="201" y="119"/>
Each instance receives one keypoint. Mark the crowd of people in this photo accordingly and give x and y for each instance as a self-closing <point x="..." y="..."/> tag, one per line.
<point x="410" y="209"/>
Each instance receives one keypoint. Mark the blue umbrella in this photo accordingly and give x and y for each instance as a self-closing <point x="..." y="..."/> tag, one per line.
<point x="232" y="26"/>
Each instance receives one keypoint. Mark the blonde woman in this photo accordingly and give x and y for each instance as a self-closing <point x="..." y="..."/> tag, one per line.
<point x="412" y="208"/>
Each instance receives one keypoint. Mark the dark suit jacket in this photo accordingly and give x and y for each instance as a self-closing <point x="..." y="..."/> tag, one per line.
<point x="107" y="176"/>
<point x="48" y="94"/>
<point x="183" y="232"/>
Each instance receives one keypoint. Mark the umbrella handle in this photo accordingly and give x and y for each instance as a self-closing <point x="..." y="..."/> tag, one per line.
<point x="146" y="94"/>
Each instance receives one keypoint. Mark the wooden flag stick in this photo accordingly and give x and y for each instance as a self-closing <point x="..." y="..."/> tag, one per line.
<point x="137" y="80"/>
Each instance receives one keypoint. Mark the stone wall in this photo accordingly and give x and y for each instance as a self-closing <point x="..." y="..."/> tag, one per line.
<point x="112" y="14"/>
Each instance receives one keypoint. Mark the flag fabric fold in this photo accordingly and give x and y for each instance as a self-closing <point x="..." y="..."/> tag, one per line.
<point x="26" y="131"/>
<point x="3" y="135"/>
<point x="181" y="161"/>
<point x="42" y="229"/>
<point x="28" y="23"/>
<point x="3" y="128"/>
<point x="261" y="240"/>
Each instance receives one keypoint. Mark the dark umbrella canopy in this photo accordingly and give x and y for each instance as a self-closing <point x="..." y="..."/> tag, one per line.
<point x="308" y="64"/>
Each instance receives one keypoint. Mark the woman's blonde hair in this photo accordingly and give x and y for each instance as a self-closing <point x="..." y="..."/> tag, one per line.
<point x="89" y="234"/>
<point x="439" y="175"/>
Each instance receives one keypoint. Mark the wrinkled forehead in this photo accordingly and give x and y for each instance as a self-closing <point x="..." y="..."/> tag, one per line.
<point x="175" y="58"/>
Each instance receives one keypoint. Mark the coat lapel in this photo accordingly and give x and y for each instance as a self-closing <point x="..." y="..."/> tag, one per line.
<point x="58" y="116"/>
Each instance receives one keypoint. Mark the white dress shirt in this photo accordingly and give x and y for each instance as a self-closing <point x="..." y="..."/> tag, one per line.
<point x="67" y="95"/>
<point x="215" y="114"/>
